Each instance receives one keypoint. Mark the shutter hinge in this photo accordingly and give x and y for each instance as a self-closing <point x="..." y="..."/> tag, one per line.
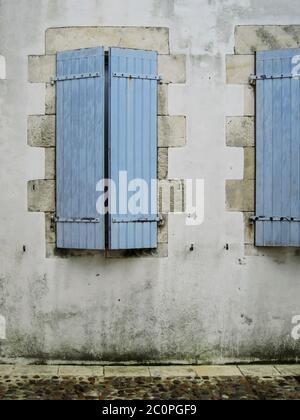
<point x="138" y="76"/>
<point x="274" y="219"/>
<point x="74" y="77"/>
<point x="254" y="77"/>
<point x="76" y="220"/>
<point x="138" y="219"/>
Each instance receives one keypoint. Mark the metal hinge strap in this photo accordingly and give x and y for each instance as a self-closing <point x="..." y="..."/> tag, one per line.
<point x="75" y="77"/>
<point x="138" y="219"/>
<point x="253" y="77"/>
<point x="274" y="219"/>
<point x="76" y="220"/>
<point x="137" y="76"/>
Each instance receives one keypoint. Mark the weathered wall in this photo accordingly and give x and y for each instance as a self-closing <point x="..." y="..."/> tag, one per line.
<point x="210" y="304"/>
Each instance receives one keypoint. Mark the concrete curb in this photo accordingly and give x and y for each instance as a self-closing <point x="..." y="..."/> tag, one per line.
<point x="265" y="371"/>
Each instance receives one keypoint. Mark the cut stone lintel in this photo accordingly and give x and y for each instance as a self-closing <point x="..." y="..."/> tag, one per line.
<point x="147" y="38"/>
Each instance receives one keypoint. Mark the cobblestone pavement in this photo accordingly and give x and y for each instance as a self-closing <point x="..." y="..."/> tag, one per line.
<point x="40" y="384"/>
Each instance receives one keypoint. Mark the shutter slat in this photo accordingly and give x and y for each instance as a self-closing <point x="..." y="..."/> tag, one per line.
<point x="277" y="150"/>
<point x="286" y="198"/>
<point x="79" y="148"/>
<point x="295" y="159"/>
<point x="133" y="140"/>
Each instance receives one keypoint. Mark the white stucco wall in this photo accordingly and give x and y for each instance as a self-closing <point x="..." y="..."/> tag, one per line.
<point x="207" y="305"/>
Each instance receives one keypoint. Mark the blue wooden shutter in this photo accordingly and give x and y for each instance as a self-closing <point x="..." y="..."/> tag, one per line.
<point x="133" y="143"/>
<point x="277" y="149"/>
<point x="79" y="148"/>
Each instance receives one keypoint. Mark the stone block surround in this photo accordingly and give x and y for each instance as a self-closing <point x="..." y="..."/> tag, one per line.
<point x="41" y="128"/>
<point x="240" y="129"/>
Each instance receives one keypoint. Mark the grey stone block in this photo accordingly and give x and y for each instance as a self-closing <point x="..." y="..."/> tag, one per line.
<point x="50" y="163"/>
<point x="41" y="130"/>
<point x="162" y="162"/>
<point x="50" y="228"/>
<point x="50" y="106"/>
<point x="249" y="39"/>
<point x="172" y="68"/>
<point x="171" y="196"/>
<point x="240" y="195"/>
<point x="240" y="131"/>
<point x="41" y="195"/>
<point x="148" y="38"/>
<point x="239" y="68"/>
<point x="162" y="108"/>
<point x="249" y="101"/>
<point x="249" y="163"/>
<point x="41" y="68"/>
<point x="171" y="131"/>
<point x="163" y="230"/>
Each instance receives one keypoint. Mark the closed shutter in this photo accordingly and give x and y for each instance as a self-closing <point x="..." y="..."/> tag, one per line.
<point x="133" y="147"/>
<point x="277" y="149"/>
<point x="79" y="148"/>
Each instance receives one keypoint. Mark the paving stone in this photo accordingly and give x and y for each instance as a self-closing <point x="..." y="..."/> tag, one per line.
<point x="125" y="371"/>
<point x="81" y="371"/>
<point x="217" y="371"/>
<point x="259" y="370"/>
<point x="6" y="369"/>
<point x="172" y="371"/>
<point x="33" y="370"/>
<point x="39" y="383"/>
<point x="147" y="388"/>
<point x="287" y="370"/>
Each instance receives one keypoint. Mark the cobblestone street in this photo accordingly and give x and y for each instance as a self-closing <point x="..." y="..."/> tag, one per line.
<point x="158" y="383"/>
